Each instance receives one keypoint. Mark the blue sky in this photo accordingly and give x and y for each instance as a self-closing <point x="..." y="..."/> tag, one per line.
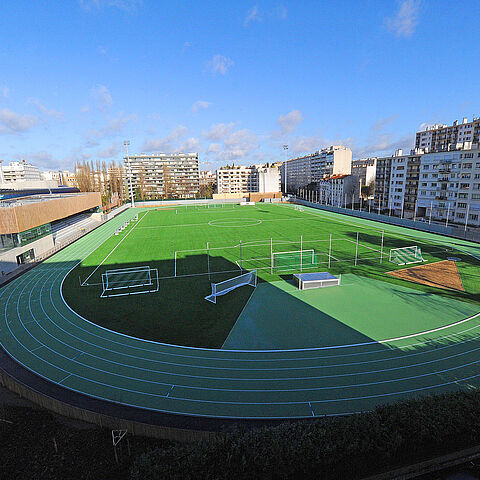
<point x="231" y="80"/>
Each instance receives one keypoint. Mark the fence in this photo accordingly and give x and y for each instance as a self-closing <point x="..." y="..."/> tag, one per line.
<point x="472" y="234"/>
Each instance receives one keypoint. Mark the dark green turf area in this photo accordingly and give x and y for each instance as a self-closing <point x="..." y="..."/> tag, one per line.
<point x="178" y="313"/>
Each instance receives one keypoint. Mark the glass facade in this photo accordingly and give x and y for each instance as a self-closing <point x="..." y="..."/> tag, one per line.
<point x="11" y="240"/>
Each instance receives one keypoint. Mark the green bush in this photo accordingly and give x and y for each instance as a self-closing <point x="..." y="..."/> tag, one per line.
<point x="328" y="448"/>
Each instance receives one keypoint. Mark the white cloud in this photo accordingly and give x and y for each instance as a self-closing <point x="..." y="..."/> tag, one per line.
<point x="113" y="127"/>
<point x="190" y="145"/>
<point x="102" y="50"/>
<point x="165" y="144"/>
<point x="220" y="64"/>
<point x="12" y="122"/>
<point x="200" y="105"/>
<point x="218" y="132"/>
<point x="253" y="15"/>
<point x="239" y="145"/>
<point x="102" y="96"/>
<point x="126" y="5"/>
<point x="281" y="12"/>
<point x="214" y="148"/>
<point x="404" y="23"/>
<point x="383" y="123"/>
<point x="288" y="123"/>
<point x="110" y="152"/>
<point x="46" y="111"/>
<point x="4" y="91"/>
<point x="306" y="144"/>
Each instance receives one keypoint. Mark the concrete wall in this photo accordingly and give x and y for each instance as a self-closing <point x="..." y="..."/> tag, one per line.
<point x="8" y="259"/>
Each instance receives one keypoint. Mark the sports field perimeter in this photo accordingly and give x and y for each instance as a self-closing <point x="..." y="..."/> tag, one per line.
<point x="356" y="363"/>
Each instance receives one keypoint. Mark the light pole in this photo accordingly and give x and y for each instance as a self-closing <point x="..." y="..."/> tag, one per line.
<point x="285" y="148"/>
<point x="130" y="187"/>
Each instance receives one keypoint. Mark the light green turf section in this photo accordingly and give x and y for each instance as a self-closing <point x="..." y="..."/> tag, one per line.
<point x="279" y="316"/>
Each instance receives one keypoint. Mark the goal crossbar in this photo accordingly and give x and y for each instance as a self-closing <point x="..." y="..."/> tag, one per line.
<point x="406" y="255"/>
<point x="221" y="288"/>
<point x="127" y="281"/>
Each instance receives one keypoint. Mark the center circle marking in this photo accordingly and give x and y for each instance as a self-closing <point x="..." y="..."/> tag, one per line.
<point x="234" y="222"/>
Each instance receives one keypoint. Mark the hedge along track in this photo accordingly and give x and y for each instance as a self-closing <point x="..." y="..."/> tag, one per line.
<point x="40" y="332"/>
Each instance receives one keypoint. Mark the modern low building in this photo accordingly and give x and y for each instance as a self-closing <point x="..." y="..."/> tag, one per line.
<point x="163" y="175"/>
<point x="302" y="171"/>
<point x="27" y="224"/>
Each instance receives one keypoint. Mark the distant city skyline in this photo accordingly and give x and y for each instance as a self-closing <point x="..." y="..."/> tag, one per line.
<point x="233" y="82"/>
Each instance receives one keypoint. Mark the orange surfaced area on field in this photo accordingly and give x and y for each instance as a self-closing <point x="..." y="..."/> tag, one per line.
<point x="442" y="274"/>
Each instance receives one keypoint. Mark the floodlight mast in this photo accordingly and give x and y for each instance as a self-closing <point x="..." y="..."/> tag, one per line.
<point x="127" y="143"/>
<point x="285" y="148"/>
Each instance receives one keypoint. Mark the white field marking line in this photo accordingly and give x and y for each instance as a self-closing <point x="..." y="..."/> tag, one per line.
<point x="329" y="376"/>
<point x="309" y="349"/>
<point x="17" y="305"/>
<point x="360" y="244"/>
<point x="116" y="246"/>
<point x="64" y="378"/>
<point x="303" y="349"/>
<point x="308" y="358"/>
<point x="263" y="379"/>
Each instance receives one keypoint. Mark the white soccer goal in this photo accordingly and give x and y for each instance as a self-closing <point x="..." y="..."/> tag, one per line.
<point x="221" y="288"/>
<point x="299" y="208"/>
<point x="129" y="281"/>
<point x="406" y="255"/>
<point x="294" y="259"/>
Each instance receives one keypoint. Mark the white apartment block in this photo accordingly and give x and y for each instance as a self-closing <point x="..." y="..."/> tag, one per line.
<point x="338" y="190"/>
<point x="404" y="177"/>
<point x="169" y="175"/>
<point x="253" y="179"/>
<point x="443" y="138"/>
<point x="365" y="169"/>
<point x="301" y="171"/>
<point x="20" y="172"/>
<point x="207" y="177"/>
<point x="59" y="176"/>
<point x="449" y="186"/>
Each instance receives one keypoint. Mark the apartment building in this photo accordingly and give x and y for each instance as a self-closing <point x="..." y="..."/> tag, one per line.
<point x="449" y="187"/>
<point x="163" y="175"/>
<point x="365" y="170"/>
<point x="404" y="176"/>
<point x="253" y="179"/>
<point x="301" y="171"/>
<point x="442" y="137"/>
<point x="382" y="183"/>
<point x="20" y="172"/>
<point x="207" y="177"/>
<point x="338" y="190"/>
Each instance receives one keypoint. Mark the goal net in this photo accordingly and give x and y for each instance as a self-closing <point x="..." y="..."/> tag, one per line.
<point x="406" y="255"/>
<point x="221" y="288"/>
<point x="129" y="281"/>
<point x="294" y="259"/>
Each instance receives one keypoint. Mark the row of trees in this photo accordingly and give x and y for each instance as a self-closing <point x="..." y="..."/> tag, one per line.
<point x="102" y="177"/>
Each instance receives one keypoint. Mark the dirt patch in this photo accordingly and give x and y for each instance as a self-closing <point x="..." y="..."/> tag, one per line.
<point x="442" y="274"/>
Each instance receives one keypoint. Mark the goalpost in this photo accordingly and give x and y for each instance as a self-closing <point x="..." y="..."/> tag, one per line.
<point x="129" y="281"/>
<point x="221" y="288"/>
<point x="294" y="259"/>
<point x="406" y="255"/>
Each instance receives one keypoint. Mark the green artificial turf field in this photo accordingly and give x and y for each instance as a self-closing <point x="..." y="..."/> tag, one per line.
<point x="184" y="243"/>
